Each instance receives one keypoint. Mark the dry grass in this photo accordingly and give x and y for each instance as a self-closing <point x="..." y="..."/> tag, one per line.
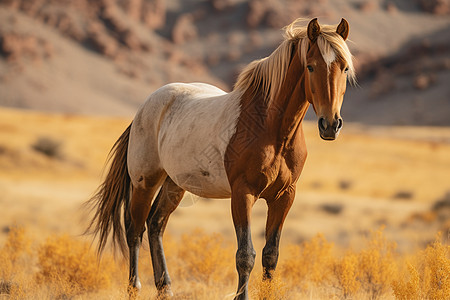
<point x="15" y="246"/>
<point x="64" y="267"/>
<point x="314" y="264"/>
<point x="276" y="289"/>
<point x="205" y="258"/>
<point x="308" y="263"/>
<point x="427" y="276"/>
<point x="345" y="275"/>
<point x="70" y="264"/>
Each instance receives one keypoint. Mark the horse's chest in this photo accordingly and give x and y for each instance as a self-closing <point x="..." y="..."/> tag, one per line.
<point x="282" y="171"/>
<point x="278" y="176"/>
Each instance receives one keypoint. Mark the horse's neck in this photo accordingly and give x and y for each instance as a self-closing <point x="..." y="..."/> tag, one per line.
<point x="279" y="117"/>
<point x="292" y="99"/>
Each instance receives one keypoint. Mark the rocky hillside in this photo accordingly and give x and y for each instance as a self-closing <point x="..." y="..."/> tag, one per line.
<point x="88" y="56"/>
<point x="106" y="56"/>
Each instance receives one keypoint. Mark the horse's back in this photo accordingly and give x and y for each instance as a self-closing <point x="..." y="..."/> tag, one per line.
<point x="184" y="129"/>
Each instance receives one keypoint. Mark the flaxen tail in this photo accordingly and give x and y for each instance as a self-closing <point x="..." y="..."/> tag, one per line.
<point x="111" y="196"/>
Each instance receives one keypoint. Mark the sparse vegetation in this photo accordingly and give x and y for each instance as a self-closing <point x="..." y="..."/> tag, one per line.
<point x="48" y="146"/>
<point x="345" y="273"/>
<point x="403" y="195"/>
<point x="345" y="184"/>
<point x="71" y="265"/>
<point x="370" y="270"/>
<point x="428" y="275"/>
<point x="376" y="265"/>
<point x="276" y="289"/>
<point x="15" y="246"/>
<point x="332" y="208"/>
<point x="206" y="258"/>
<point x="63" y="267"/>
<point x="309" y="263"/>
<point x="442" y="203"/>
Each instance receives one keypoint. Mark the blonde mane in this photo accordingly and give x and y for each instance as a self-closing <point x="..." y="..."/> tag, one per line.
<point x="268" y="73"/>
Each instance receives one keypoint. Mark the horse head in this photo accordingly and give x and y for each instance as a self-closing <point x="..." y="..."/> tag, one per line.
<point x="326" y="76"/>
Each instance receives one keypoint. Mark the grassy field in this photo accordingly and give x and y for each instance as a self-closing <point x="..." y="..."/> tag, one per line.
<point x="364" y="223"/>
<point x="63" y="267"/>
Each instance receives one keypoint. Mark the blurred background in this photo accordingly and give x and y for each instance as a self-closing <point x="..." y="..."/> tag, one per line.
<point x="73" y="74"/>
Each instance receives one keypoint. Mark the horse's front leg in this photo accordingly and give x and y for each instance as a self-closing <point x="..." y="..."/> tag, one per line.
<point x="241" y="204"/>
<point x="277" y="212"/>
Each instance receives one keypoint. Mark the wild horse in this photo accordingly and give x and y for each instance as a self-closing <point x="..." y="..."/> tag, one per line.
<point x="246" y="144"/>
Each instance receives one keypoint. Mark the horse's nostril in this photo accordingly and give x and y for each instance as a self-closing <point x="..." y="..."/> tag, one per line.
<point x="323" y="125"/>
<point x="337" y="124"/>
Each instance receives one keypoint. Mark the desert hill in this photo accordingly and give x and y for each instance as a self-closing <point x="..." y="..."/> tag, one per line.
<point x="89" y="57"/>
<point x="105" y="57"/>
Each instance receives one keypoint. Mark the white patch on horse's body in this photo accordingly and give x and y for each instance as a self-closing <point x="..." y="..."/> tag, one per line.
<point x="192" y="125"/>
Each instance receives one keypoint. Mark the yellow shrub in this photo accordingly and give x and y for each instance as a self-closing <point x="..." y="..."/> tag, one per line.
<point x="274" y="289"/>
<point x="345" y="273"/>
<point x="203" y="266"/>
<point x="377" y="266"/>
<point x="408" y="290"/>
<point x="438" y="262"/>
<point x="15" y="246"/>
<point x="72" y="265"/>
<point x="429" y="278"/>
<point x="205" y="257"/>
<point x="371" y="269"/>
<point x="309" y="262"/>
<point x="5" y="266"/>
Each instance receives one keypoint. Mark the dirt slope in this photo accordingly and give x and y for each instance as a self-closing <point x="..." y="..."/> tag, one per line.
<point x="84" y="57"/>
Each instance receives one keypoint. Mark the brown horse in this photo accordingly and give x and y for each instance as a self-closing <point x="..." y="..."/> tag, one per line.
<point x="246" y="144"/>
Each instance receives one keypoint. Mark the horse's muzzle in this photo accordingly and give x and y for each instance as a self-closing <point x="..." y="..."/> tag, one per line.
<point x="330" y="132"/>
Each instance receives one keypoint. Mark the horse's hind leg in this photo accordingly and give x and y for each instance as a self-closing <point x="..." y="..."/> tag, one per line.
<point x="134" y="218"/>
<point x="165" y="203"/>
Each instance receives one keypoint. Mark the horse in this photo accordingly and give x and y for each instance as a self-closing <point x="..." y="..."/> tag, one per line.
<point x="246" y="144"/>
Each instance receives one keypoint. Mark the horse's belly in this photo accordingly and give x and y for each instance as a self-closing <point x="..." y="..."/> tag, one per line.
<point x="197" y="169"/>
<point x="203" y="183"/>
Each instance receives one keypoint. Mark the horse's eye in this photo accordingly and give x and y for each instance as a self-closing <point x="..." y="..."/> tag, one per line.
<point x="346" y="70"/>
<point x="310" y="69"/>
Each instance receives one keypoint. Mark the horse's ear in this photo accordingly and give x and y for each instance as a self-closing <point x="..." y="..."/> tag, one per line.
<point x="313" y="30"/>
<point x="343" y="29"/>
